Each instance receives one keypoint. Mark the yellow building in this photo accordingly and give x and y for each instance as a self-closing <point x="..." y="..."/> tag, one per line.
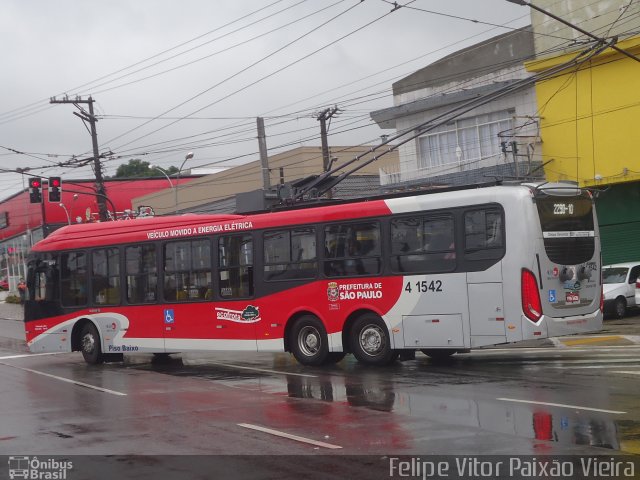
<point x="590" y="116"/>
<point x="590" y="113"/>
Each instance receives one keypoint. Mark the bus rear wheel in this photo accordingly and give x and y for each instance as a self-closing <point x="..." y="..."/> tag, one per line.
<point x="308" y="340"/>
<point x="370" y="342"/>
<point x="90" y="344"/>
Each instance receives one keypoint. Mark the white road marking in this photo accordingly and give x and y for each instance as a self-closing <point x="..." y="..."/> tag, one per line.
<point x="230" y="365"/>
<point x="614" y="362"/>
<point x="289" y="436"/>
<point x="587" y="367"/>
<point x="30" y="355"/>
<point x="68" y="380"/>
<point x="575" y="407"/>
<point x="627" y="372"/>
<point x="532" y="350"/>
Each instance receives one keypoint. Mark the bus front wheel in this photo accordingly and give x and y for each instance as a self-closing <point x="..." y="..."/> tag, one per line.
<point x="309" y="343"/>
<point x="90" y="344"/>
<point x="370" y="342"/>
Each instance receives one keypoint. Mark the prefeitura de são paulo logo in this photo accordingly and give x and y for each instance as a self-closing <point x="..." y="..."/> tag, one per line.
<point x="38" y="468"/>
<point x="332" y="292"/>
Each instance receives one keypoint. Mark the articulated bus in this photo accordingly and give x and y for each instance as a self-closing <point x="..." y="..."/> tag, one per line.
<point x="438" y="272"/>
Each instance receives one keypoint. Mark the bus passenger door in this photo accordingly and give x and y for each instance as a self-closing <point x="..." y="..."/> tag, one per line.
<point x="486" y="313"/>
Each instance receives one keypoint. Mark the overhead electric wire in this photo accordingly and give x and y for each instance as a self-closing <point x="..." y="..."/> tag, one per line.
<point x="224" y="50"/>
<point x="276" y="2"/>
<point x="384" y="93"/>
<point x="288" y="44"/>
<point x="450" y="114"/>
<point x="457" y="17"/>
<point x="151" y="57"/>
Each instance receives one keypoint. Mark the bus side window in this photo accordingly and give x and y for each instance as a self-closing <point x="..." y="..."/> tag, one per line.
<point x="187" y="270"/>
<point x="290" y="254"/>
<point x="105" y="276"/>
<point x="353" y="249"/>
<point x="141" y="274"/>
<point x="73" y="278"/>
<point x="484" y="234"/>
<point x="43" y="279"/>
<point x="235" y="266"/>
<point x="423" y="244"/>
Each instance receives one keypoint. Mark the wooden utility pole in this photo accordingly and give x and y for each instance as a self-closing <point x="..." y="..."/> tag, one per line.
<point x="91" y="119"/>
<point x="323" y="116"/>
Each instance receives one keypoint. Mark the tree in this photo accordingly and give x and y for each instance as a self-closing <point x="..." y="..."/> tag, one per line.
<point x="140" y="168"/>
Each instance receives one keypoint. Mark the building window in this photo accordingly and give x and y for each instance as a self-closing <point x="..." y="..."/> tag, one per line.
<point x="464" y="140"/>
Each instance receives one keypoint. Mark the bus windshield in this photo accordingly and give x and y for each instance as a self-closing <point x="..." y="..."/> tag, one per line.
<point x="567" y="228"/>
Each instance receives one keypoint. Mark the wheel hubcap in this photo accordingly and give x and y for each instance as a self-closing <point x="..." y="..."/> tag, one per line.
<point x="371" y="340"/>
<point x="309" y="341"/>
<point x="88" y="343"/>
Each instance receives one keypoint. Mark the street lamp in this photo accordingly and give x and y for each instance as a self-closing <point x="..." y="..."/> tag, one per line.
<point x="161" y="170"/>
<point x="61" y="205"/>
<point x="188" y="156"/>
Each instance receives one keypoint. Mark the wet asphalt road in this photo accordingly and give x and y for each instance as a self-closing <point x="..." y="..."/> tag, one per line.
<point x="579" y="396"/>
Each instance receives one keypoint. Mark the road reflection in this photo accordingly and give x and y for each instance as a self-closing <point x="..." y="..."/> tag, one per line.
<point x="332" y="393"/>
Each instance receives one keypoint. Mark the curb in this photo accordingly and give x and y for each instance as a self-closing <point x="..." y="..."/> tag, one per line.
<point x="596" y="340"/>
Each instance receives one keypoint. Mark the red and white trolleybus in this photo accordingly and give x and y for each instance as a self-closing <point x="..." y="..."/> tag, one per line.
<point x="439" y="272"/>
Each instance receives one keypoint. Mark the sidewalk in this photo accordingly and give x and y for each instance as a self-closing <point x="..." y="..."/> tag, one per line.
<point x="11" y="311"/>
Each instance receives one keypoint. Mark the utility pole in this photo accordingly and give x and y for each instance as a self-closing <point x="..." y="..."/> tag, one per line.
<point x="514" y="153"/>
<point x="264" y="159"/>
<point x="323" y="116"/>
<point x="91" y="119"/>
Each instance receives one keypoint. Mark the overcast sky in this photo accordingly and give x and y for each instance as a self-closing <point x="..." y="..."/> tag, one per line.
<point x="169" y="77"/>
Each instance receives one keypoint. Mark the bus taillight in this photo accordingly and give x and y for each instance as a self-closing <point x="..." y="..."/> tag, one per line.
<point x="531" y="304"/>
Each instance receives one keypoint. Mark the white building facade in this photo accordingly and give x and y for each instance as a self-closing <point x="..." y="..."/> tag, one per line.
<point x="470" y="115"/>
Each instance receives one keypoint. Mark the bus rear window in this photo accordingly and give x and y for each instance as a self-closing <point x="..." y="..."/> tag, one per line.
<point x="567" y="228"/>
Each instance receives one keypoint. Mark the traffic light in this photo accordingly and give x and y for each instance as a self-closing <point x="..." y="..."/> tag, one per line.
<point x="55" y="189"/>
<point x="35" y="190"/>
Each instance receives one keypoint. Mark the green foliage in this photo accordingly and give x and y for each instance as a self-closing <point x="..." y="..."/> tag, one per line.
<point x="140" y="168"/>
<point x="12" y="299"/>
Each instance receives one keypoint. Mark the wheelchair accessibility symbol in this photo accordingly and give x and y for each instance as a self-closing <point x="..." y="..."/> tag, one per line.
<point x="169" y="316"/>
<point x="552" y="296"/>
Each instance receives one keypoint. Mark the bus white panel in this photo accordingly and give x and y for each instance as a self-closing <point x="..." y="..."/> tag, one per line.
<point x="492" y="274"/>
<point x="432" y="331"/>
<point x="486" y="309"/>
<point x="273" y="345"/>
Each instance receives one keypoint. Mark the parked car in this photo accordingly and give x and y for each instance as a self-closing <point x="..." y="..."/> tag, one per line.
<point x="4" y="285"/>
<point x="619" y="287"/>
